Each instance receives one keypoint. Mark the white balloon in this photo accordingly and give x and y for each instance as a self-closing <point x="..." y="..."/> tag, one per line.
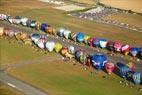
<point x="71" y="49"/>
<point x="50" y="45"/>
<point x="66" y="33"/>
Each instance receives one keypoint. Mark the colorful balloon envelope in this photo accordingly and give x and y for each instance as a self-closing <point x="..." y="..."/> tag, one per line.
<point x="71" y="49"/>
<point x="34" y="36"/>
<point x="41" y="42"/>
<point x="3" y="17"/>
<point x="37" y="26"/>
<point x="33" y="24"/>
<point x="73" y="36"/>
<point x="90" y="41"/>
<point x="60" y="32"/>
<point x="96" y="42"/>
<point x="134" y="51"/>
<point x="78" y="53"/>
<point x="28" y="23"/>
<point x="110" y="45"/>
<point x="83" y="58"/>
<point x="50" y="30"/>
<point x="50" y="45"/>
<point x="125" y="49"/>
<point x="103" y="43"/>
<point x="117" y="46"/>
<point x="24" y="21"/>
<point x="57" y="47"/>
<point x="80" y="37"/>
<point x="86" y="37"/>
<point x="109" y="67"/>
<point x="64" y="50"/>
<point x="123" y="69"/>
<point x="137" y="78"/>
<point x="67" y="34"/>
<point x="98" y="61"/>
<point x="43" y="27"/>
<point x="129" y="75"/>
<point x="17" y="20"/>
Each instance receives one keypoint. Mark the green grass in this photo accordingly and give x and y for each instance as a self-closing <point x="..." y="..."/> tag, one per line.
<point x="5" y="90"/>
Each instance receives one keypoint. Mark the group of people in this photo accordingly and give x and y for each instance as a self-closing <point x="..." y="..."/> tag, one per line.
<point x="99" y="61"/>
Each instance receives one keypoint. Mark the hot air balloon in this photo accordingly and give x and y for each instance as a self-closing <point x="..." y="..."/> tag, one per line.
<point x="137" y="78"/>
<point x="73" y="36"/>
<point x="71" y="49"/>
<point x="90" y="41"/>
<point x="51" y="30"/>
<point x="103" y="43"/>
<point x="50" y="45"/>
<point x="41" y="42"/>
<point x="34" y="37"/>
<point x="67" y="34"/>
<point x="110" y="45"/>
<point x="44" y="27"/>
<point x="60" y="32"/>
<point x="98" y="61"/>
<point x="57" y="47"/>
<point x="109" y="67"/>
<point x="78" y="53"/>
<point x="3" y="17"/>
<point x="64" y="50"/>
<point x="125" y="49"/>
<point x="37" y="26"/>
<point x="134" y="51"/>
<point x="131" y="66"/>
<point x="129" y="75"/>
<point x="17" y="20"/>
<point x="24" y="21"/>
<point x="80" y="37"/>
<point x="117" y="46"/>
<point x="96" y="42"/>
<point x="123" y="69"/>
<point x="33" y="24"/>
<point x="1" y="31"/>
<point x="86" y="37"/>
<point x="9" y="32"/>
<point x="28" y="23"/>
<point x="83" y="59"/>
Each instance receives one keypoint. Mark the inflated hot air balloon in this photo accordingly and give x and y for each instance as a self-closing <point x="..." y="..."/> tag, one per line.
<point x="131" y="66"/>
<point x="103" y="43"/>
<point x="17" y="20"/>
<point x="34" y="37"/>
<point x="137" y="78"/>
<point x="125" y="49"/>
<point x="78" y="53"/>
<point x="51" y="30"/>
<point x="60" y="32"/>
<point x="3" y="17"/>
<point x="64" y="50"/>
<point x="1" y="31"/>
<point x="73" y="36"/>
<point x="109" y="67"/>
<point x="24" y="21"/>
<point x="41" y="42"/>
<point x="129" y="75"/>
<point x="110" y="45"/>
<point x="71" y="49"/>
<point x="33" y="24"/>
<point x="96" y="42"/>
<point x="9" y="32"/>
<point x="86" y="37"/>
<point x="117" y="46"/>
<point x="80" y="37"/>
<point x="90" y="41"/>
<point x="57" y="47"/>
<point x="37" y="26"/>
<point x="43" y="27"/>
<point x="98" y="61"/>
<point x="83" y="59"/>
<point x="28" y="23"/>
<point x="123" y="69"/>
<point x="134" y="51"/>
<point x="67" y="34"/>
<point x="50" y="45"/>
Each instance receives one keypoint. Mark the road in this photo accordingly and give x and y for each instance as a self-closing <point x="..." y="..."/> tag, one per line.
<point x="19" y="85"/>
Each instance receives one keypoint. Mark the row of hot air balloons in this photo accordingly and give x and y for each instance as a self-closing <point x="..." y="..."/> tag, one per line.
<point x="98" y="61"/>
<point x="114" y="46"/>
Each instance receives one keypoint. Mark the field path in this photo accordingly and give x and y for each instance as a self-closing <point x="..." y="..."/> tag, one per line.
<point x="19" y="85"/>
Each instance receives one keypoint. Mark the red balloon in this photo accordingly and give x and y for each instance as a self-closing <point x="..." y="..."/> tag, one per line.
<point x="109" y="67"/>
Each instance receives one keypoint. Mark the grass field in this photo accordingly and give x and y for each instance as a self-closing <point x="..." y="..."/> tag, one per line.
<point x="5" y="90"/>
<point x="134" y="5"/>
<point x="52" y="74"/>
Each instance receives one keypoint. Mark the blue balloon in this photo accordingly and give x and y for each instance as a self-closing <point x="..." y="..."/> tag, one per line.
<point x="137" y="78"/>
<point x="35" y="36"/>
<point x="43" y="27"/>
<point x="98" y="61"/>
<point x="134" y="51"/>
<point x="80" y="37"/>
<point x="123" y="69"/>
